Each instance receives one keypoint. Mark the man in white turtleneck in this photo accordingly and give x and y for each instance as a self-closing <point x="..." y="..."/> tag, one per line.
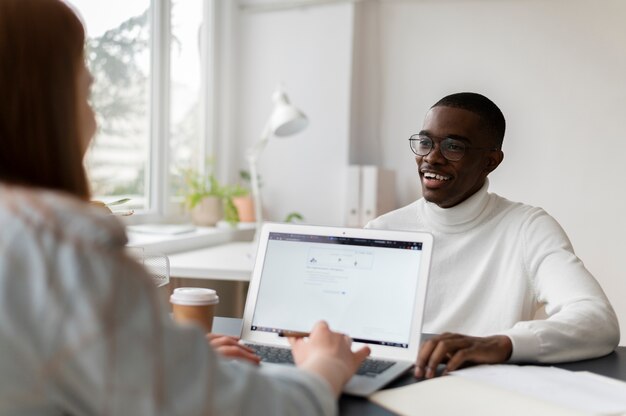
<point x="495" y="262"/>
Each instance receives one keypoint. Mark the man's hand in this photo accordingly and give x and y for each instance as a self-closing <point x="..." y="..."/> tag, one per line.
<point x="231" y="348"/>
<point x="457" y="349"/>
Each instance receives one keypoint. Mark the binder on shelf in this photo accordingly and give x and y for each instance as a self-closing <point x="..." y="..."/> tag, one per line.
<point x="370" y="192"/>
<point x="353" y="196"/>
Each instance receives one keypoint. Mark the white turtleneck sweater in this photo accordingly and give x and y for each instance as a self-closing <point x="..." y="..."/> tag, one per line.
<point x="495" y="263"/>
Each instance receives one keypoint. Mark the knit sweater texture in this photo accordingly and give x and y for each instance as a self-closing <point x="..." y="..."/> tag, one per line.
<point x="495" y="264"/>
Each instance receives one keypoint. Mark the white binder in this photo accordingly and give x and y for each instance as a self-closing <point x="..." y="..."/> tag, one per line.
<point x="353" y="196"/>
<point x="370" y="192"/>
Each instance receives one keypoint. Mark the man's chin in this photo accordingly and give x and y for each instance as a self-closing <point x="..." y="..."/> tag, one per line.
<point x="432" y="196"/>
<point x="437" y="197"/>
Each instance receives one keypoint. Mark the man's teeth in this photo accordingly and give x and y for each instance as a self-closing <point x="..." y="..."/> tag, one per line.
<point x="430" y="175"/>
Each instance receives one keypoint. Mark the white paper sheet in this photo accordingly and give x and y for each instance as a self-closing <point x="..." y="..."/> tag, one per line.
<point x="582" y="391"/>
<point x="508" y="390"/>
<point x="459" y="396"/>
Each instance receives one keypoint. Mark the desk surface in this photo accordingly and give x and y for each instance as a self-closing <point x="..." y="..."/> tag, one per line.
<point x="612" y="365"/>
<point x="231" y="261"/>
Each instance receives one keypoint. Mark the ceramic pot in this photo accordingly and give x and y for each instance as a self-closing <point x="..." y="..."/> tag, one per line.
<point x="207" y="212"/>
<point x="245" y="208"/>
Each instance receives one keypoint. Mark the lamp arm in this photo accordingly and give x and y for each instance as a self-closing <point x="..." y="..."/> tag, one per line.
<point x="256" y="193"/>
<point x="253" y="155"/>
<point x="255" y="150"/>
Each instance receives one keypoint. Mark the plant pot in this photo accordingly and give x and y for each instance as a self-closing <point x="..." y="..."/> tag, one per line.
<point x="245" y="208"/>
<point x="207" y="212"/>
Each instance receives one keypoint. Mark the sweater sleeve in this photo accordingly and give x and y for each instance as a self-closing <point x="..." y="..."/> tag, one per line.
<point x="581" y="323"/>
<point x="129" y="357"/>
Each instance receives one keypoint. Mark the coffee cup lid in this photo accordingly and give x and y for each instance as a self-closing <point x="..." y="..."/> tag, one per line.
<point x="194" y="296"/>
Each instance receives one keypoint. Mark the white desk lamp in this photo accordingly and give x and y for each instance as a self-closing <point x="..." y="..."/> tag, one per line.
<point x="284" y="121"/>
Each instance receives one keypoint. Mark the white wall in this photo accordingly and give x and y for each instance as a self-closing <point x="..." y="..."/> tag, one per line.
<point x="309" y="51"/>
<point x="556" y="68"/>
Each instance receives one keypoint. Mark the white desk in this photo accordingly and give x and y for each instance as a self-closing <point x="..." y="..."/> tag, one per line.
<point x="228" y="266"/>
<point x="232" y="261"/>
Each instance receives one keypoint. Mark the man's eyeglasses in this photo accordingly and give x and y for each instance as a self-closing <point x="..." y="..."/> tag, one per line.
<point x="452" y="149"/>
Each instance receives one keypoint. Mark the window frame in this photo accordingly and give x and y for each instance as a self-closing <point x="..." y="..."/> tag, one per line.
<point x="163" y="206"/>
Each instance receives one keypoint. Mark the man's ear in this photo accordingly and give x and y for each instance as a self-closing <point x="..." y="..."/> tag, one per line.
<point x="493" y="160"/>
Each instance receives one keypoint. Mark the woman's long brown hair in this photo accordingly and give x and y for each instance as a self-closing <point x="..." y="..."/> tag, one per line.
<point x="41" y="48"/>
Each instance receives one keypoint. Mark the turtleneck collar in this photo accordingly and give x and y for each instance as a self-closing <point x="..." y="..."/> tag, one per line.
<point x="459" y="217"/>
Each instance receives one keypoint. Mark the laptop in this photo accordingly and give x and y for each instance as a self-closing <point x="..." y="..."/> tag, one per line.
<point x="369" y="284"/>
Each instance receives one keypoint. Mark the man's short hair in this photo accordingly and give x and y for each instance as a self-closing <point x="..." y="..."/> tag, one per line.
<point x="483" y="107"/>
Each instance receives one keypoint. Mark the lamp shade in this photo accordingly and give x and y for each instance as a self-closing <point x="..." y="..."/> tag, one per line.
<point x="285" y="119"/>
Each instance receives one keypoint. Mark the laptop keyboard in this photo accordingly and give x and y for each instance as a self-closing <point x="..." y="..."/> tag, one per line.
<point x="370" y="367"/>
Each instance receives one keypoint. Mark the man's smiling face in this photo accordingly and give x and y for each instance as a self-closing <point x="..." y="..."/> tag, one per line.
<point x="448" y="183"/>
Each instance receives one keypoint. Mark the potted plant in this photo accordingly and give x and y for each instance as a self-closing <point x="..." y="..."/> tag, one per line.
<point x="234" y="210"/>
<point x="239" y="203"/>
<point x="293" y="217"/>
<point x="203" y="198"/>
<point x="244" y="202"/>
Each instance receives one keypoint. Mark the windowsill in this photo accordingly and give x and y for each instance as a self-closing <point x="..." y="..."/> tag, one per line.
<point x="198" y="238"/>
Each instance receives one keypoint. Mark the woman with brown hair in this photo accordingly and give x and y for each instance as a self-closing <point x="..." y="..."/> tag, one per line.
<point x="83" y="330"/>
<point x="44" y="84"/>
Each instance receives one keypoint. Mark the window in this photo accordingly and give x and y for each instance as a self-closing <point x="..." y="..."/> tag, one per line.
<point x="186" y="127"/>
<point x="148" y="95"/>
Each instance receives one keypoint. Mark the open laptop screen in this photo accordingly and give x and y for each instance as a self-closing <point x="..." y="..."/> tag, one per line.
<point x="362" y="287"/>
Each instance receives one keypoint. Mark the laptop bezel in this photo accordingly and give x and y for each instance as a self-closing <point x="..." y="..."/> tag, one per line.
<point x="378" y="351"/>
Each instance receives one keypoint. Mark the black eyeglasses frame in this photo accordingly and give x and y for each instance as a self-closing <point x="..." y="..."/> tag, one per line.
<point x="422" y="136"/>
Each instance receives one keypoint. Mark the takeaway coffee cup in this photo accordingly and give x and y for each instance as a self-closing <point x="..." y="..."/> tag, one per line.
<point x="194" y="305"/>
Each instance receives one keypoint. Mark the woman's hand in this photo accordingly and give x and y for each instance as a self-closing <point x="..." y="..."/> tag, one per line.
<point x="230" y="347"/>
<point x="328" y="354"/>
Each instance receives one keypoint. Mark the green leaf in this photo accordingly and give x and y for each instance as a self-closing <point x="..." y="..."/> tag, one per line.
<point x="292" y="216"/>
<point x="231" y="215"/>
